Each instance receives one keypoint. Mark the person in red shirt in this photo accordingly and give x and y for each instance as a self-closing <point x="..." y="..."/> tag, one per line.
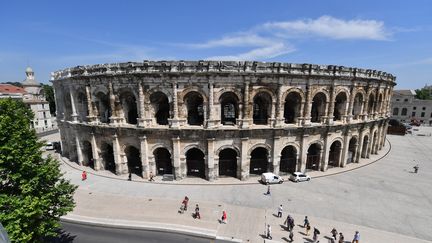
<point x="84" y="175"/>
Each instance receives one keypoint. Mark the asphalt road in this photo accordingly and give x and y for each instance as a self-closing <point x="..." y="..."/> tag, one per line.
<point x="78" y="233"/>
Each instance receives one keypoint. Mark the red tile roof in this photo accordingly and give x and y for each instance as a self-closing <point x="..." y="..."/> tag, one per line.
<point x="10" y="89"/>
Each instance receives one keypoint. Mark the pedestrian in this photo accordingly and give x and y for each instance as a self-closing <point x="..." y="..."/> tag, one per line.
<point x="356" y="237"/>
<point x="287" y="222"/>
<point x="151" y="176"/>
<point x="291" y="236"/>
<point x="334" y="233"/>
<point x="315" y="234"/>
<point x="280" y="210"/>
<point x="84" y="175"/>
<point x="185" y="203"/>
<point x="197" y="212"/>
<point x="292" y="224"/>
<point x="224" y="217"/>
<point x="341" y="238"/>
<point x="269" y="232"/>
<point x="306" y="221"/>
<point x="308" y="229"/>
<point x="130" y="176"/>
<point x="416" y="168"/>
<point x="268" y="190"/>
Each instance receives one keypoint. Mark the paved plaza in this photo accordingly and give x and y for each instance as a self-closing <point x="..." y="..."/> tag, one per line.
<point x="384" y="200"/>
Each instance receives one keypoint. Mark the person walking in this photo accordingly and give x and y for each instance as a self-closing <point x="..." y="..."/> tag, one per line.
<point x="151" y="178"/>
<point x="130" y="176"/>
<point x="306" y="221"/>
<point x="84" y="175"/>
<point x="416" y="168"/>
<point x="291" y="236"/>
<point x="268" y="190"/>
<point x="224" y="217"/>
<point x="334" y="233"/>
<point x="356" y="238"/>
<point x="185" y="203"/>
<point x="280" y="210"/>
<point x="341" y="238"/>
<point x="197" y="212"/>
<point x="269" y="232"/>
<point x="315" y="234"/>
<point x="308" y="229"/>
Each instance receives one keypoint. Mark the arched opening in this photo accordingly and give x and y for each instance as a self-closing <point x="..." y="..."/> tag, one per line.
<point x="129" y="106"/>
<point x="404" y="112"/>
<point x="163" y="161"/>
<point x="395" y="111"/>
<point x="318" y="107"/>
<point x="340" y="106"/>
<point x="82" y="107"/>
<point x="161" y="107"/>
<point x="134" y="160"/>
<point x="258" y="161"/>
<point x="380" y="100"/>
<point x="357" y="106"/>
<point x="103" y="107"/>
<point x="335" y="154"/>
<point x="352" y="150"/>
<point x="374" y="142"/>
<point x="262" y="103"/>
<point x="195" y="109"/>
<point x="229" y="108"/>
<point x="313" y="157"/>
<point x="371" y="106"/>
<point x="108" y="157"/>
<point x="365" y="147"/>
<point x="87" y="153"/>
<point x="228" y="162"/>
<point x="67" y="106"/>
<point x="292" y="107"/>
<point x="288" y="161"/>
<point x="195" y="163"/>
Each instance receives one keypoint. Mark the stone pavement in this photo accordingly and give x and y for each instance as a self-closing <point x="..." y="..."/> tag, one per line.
<point x="384" y="197"/>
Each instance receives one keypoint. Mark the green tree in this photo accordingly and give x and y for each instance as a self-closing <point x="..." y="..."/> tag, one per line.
<point x="33" y="194"/>
<point x="49" y="95"/>
<point x="424" y="94"/>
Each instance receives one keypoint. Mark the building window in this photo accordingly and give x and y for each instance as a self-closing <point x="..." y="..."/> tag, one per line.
<point x="46" y="123"/>
<point x="404" y="111"/>
<point x="397" y="99"/>
<point x="414" y="108"/>
<point x="406" y="100"/>
<point x="422" y="114"/>
<point x="413" y="114"/>
<point x="44" y="115"/>
<point x="424" y="108"/>
<point x="395" y="111"/>
<point x="431" y="114"/>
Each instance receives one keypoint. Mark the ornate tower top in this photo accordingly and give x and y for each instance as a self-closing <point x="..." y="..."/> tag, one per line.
<point x="30" y="79"/>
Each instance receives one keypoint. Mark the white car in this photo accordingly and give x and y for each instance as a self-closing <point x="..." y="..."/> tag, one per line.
<point x="269" y="178"/>
<point x="49" y="146"/>
<point x="299" y="176"/>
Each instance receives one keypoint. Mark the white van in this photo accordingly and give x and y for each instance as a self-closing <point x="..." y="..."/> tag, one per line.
<point x="270" y="178"/>
<point x="49" y="146"/>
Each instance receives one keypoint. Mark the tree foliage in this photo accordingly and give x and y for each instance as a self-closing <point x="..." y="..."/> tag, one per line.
<point x="33" y="194"/>
<point x="49" y="95"/>
<point x="18" y="84"/>
<point x="423" y="94"/>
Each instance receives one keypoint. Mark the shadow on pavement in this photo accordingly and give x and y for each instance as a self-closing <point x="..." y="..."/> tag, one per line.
<point x="63" y="237"/>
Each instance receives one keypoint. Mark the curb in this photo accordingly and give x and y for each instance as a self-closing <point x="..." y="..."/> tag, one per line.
<point x="141" y="225"/>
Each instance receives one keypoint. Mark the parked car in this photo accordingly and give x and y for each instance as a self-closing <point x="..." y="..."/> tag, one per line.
<point x="49" y="146"/>
<point x="299" y="176"/>
<point x="270" y="178"/>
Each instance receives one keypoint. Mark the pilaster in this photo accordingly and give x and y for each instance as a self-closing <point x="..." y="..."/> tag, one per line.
<point x="244" y="174"/>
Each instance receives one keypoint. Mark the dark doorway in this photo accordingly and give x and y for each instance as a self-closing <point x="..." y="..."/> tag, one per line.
<point x="318" y="107"/>
<point x="258" y="161"/>
<point x="161" y="107"/>
<point x="334" y="154"/>
<point x="195" y="163"/>
<point x="163" y="161"/>
<point x="261" y="108"/>
<point x="194" y="103"/>
<point x="108" y="157"/>
<point x="352" y="150"/>
<point x="129" y="106"/>
<point x="87" y="154"/>
<point x="371" y="106"/>
<point x="229" y="108"/>
<point x="365" y="147"/>
<point x="313" y="157"/>
<point x="228" y="162"/>
<point x="340" y="106"/>
<point x="133" y="160"/>
<point x="103" y="106"/>
<point x="292" y="107"/>
<point x="288" y="162"/>
<point x="82" y="107"/>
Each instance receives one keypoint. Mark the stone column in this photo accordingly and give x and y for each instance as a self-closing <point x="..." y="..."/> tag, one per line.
<point x="210" y="160"/>
<point x="246" y="107"/>
<point x="91" y="116"/>
<point x="144" y="158"/>
<point x="308" y="107"/>
<point x="300" y="119"/>
<point x="212" y="121"/>
<point x="331" y="105"/>
<point x="324" y="152"/>
<point x="178" y="174"/>
<point x="276" y="154"/>
<point x="244" y="174"/>
<point x="349" y="111"/>
<point x="303" y="152"/>
<point x="365" y="108"/>
<point x="96" y="159"/>
<point x="117" y="156"/>
<point x="72" y="98"/>
<point x="272" y="122"/>
<point x="360" y="147"/>
<point x="113" y="118"/>
<point x="78" y="149"/>
<point x="279" y="109"/>
<point x="344" y="152"/>
<point x="141" y="99"/>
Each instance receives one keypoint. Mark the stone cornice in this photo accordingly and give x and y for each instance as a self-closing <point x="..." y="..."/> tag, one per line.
<point x="223" y="67"/>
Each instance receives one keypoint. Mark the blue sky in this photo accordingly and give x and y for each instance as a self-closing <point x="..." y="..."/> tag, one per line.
<point x="393" y="36"/>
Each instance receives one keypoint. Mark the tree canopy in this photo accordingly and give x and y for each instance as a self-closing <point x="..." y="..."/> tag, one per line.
<point x="49" y="95"/>
<point x="33" y="194"/>
<point x="424" y="94"/>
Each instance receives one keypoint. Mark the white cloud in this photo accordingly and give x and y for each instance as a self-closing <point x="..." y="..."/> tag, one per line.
<point x="264" y="52"/>
<point x="237" y="40"/>
<point x="329" y="27"/>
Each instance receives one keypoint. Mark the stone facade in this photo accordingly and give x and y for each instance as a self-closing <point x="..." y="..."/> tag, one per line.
<point x="405" y="107"/>
<point x="212" y="119"/>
